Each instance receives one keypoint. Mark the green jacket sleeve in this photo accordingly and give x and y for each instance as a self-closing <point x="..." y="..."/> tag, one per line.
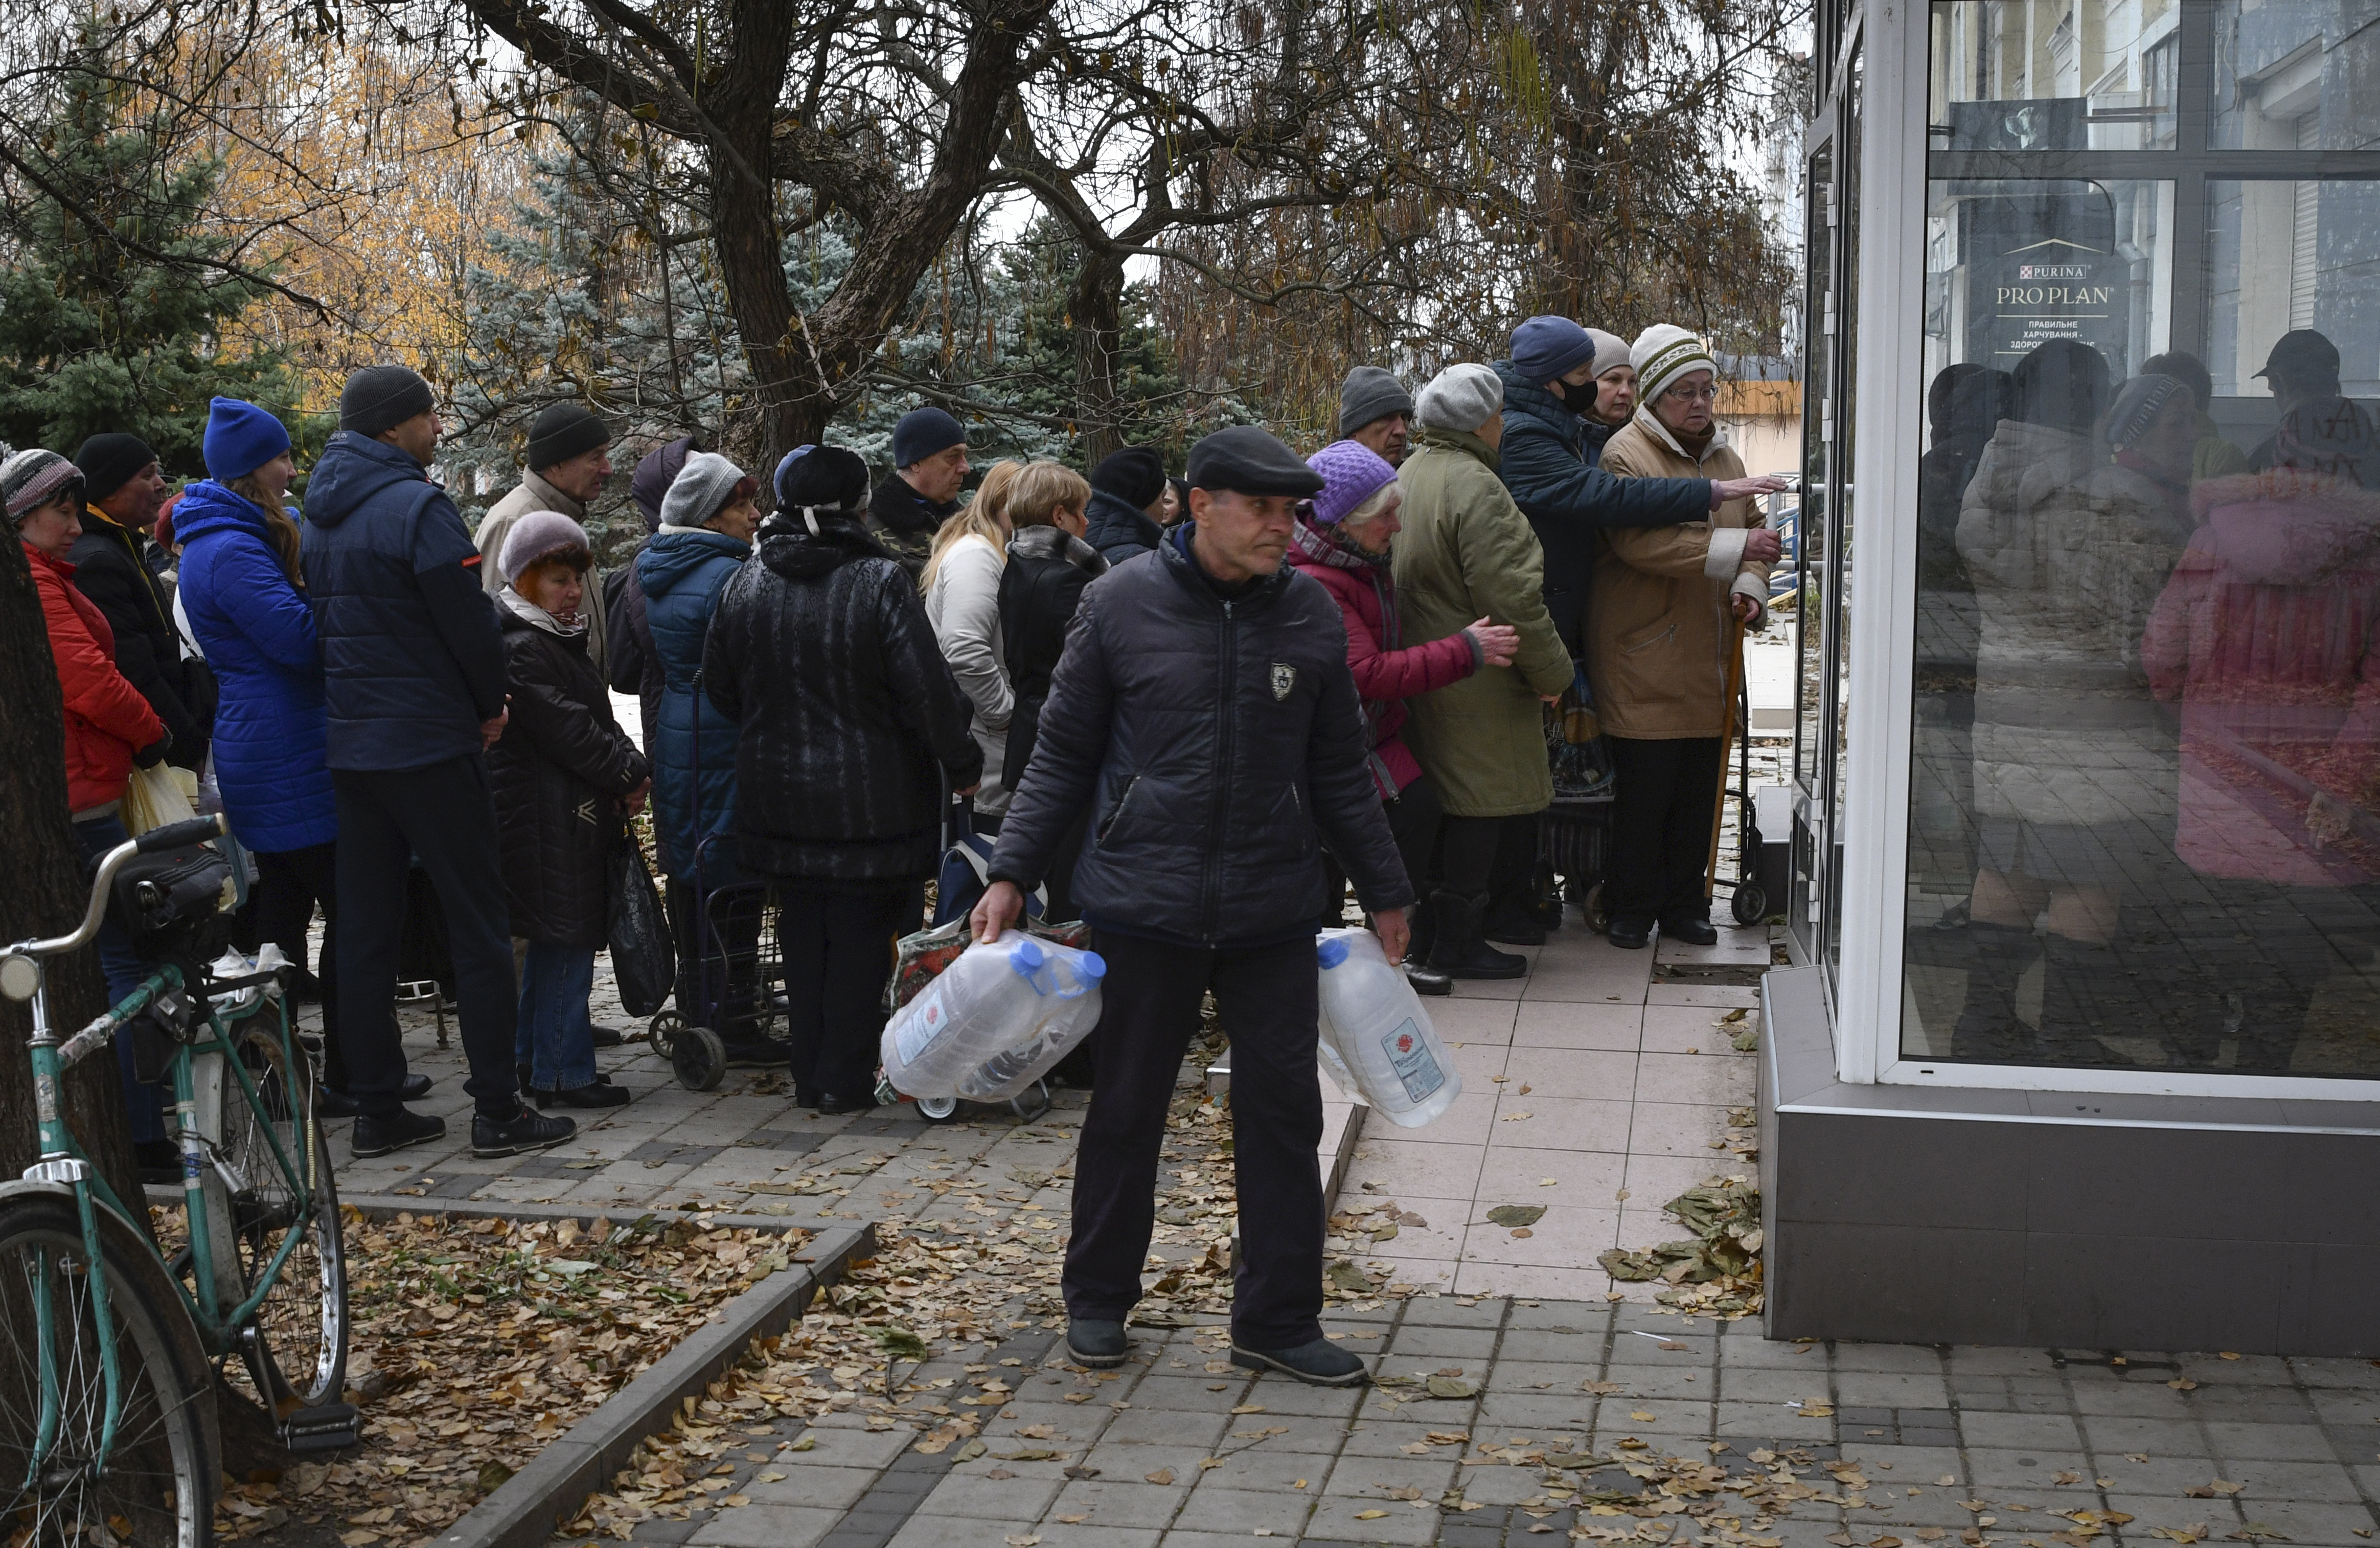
<point x="1505" y="573"/>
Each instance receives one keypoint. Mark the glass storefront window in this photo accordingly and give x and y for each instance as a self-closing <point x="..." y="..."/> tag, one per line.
<point x="1839" y="618"/>
<point x="2145" y="784"/>
<point x="2295" y="75"/>
<point x="2054" y="74"/>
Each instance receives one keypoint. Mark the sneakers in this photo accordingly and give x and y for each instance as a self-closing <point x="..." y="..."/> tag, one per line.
<point x="329" y="1103"/>
<point x="517" y="1135"/>
<point x="1320" y="1363"/>
<point x="1092" y="1341"/>
<point x="379" y="1134"/>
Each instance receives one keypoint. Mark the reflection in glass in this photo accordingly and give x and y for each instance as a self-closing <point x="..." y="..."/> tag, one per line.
<point x="1838" y="620"/>
<point x="2054" y="74"/>
<point x="2295" y="75"/>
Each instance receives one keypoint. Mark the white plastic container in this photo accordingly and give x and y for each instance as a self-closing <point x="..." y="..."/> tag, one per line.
<point x="1377" y="1040"/>
<point x="995" y="1019"/>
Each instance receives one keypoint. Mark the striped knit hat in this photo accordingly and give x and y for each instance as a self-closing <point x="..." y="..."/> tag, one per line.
<point x="34" y="478"/>
<point x="1664" y="352"/>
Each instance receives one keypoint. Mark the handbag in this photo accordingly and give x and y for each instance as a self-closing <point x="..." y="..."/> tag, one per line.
<point x="1576" y="754"/>
<point x="644" y="962"/>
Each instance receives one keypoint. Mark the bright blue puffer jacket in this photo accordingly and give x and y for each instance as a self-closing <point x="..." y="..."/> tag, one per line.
<point x="682" y="571"/>
<point x="272" y="729"/>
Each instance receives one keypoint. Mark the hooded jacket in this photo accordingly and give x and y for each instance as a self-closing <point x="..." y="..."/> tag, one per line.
<point x="555" y="776"/>
<point x="1118" y="529"/>
<point x="823" y="655"/>
<point x="1546" y="460"/>
<point x="112" y="568"/>
<point x="903" y="522"/>
<point x="1385" y="678"/>
<point x="1660" y="623"/>
<point x="1214" y="735"/>
<point x="1466" y="552"/>
<point x="1046" y="571"/>
<point x="272" y="732"/>
<point x="411" y="658"/>
<point x="681" y="572"/>
<point x="2269" y="634"/>
<point x="533" y="493"/>
<point x="106" y="719"/>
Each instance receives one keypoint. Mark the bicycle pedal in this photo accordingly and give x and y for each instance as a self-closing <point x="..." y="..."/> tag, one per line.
<point x="328" y="1427"/>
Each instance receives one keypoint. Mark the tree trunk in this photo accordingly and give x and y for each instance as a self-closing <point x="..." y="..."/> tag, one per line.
<point x="45" y="895"/>
<point x="1094" y="303"/>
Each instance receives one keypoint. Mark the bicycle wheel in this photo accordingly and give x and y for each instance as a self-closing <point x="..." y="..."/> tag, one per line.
<point x="298" y="1345"/>
<point x="155" y="1488"/>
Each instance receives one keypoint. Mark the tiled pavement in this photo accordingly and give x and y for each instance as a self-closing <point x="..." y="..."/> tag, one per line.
<point x="1954" y="1446"/>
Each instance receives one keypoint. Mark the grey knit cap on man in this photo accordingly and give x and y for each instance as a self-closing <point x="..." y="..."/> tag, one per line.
<point x="1375" y="410"/>
<point x="560" y="432"/>
<point x="379" y="398"/>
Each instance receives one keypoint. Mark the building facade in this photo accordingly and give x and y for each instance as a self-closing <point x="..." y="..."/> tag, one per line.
<point x="2079" y="1043"/>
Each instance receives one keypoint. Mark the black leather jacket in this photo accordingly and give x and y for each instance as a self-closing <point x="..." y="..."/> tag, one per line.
<point x="1038" y="592"/>
<point x="1216" y="736"/>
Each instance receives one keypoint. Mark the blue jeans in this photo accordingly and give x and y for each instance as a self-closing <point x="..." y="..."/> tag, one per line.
<point x="123" y="969"/>
<point x="555" y="1037"/>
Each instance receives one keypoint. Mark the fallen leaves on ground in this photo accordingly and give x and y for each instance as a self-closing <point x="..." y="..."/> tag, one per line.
<point x="476" y="1343"/>
<point x="1718" y="1272"/>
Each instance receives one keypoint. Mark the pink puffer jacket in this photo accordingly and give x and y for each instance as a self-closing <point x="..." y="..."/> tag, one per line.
<point x="1386" y="678"/>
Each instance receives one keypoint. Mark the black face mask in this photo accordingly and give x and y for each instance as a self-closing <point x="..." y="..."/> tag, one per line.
<point x="1561" y="391"/>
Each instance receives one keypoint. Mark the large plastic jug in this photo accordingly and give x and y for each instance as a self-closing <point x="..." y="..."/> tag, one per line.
<point x="1377" y="1040"/>
<point x="995" y="998"/>
<point x="1069" y="982"/>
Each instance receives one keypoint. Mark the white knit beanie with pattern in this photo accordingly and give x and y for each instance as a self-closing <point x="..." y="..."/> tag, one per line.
<point x="1664" y="352"/>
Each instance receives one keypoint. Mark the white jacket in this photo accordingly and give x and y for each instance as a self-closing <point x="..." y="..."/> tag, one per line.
<point x="964" y="606"/>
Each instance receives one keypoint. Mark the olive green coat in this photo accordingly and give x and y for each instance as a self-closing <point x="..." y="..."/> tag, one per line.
<point x="1466" y="553"/>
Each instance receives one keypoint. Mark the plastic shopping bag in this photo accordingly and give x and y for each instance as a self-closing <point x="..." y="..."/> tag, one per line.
<point x="644" y="962"/>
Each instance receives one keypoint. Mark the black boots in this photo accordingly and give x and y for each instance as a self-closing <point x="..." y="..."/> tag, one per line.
<point x="1987" y="1027"/>
<point x="1458" y="949"/>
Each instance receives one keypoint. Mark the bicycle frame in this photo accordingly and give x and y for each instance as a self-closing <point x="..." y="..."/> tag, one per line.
<point x="63" y="1162"/>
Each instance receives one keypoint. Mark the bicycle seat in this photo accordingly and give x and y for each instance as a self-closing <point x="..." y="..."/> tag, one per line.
<point x="171" y="903"/>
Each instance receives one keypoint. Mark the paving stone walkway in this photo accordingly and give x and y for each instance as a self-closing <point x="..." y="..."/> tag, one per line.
<point x="1869" y="1445"/>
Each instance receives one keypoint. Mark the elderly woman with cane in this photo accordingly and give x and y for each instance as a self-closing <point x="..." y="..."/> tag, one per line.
<point x="1666" y="617"/>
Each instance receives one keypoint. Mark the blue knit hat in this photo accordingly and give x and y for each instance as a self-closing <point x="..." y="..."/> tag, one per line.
<point x="240" y="439"/>
<point x="1545" y="347"/>
<point x="922" y="433"/>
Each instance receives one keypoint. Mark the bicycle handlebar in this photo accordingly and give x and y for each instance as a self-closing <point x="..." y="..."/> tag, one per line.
<point x="173" y="835"/>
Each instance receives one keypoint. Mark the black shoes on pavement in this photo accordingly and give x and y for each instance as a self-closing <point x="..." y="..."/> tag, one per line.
<point x="1695" y="931"/>
<point x="603" y="1093"/>
<point x="1096" y="1343"/>
<point x="609" y="1037"/>
<point x="757" y="1053"/>
<point x="827" y="1105"/>
<point x="1320" y="1363"/>
<point x="329" y="1104"/>
<point x="1459" y="951"/>
<point x="1514" y="922"/>
<point x="1636" y="934"/>
<point x="517" y="1135"/>
<point x="380" y="1134"/>
<point x="1427" y="979"/>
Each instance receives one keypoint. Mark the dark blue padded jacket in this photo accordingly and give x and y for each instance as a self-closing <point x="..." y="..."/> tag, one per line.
<point x="413" y="662"/>
<point x="681" y="573"/>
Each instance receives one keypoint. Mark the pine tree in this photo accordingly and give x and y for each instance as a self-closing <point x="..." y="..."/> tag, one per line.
<point x="98" y="335"/>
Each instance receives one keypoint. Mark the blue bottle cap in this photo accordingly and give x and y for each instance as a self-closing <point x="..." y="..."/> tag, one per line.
<point x="1332" y="952"/>
<point x="1092" y="967"/>
<point x="1025" y="958"/>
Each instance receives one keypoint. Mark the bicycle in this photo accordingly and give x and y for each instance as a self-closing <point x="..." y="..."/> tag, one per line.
<point x="109" y="1346"/>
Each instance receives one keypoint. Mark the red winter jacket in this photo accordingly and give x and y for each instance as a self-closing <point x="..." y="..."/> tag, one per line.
<point x="1386" y="678"/>
<point x="107" y="720"/>
<point x="2268" y="632"/>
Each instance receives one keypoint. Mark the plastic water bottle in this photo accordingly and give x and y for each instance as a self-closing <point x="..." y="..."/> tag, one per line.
<point x="1377" y="1040"/>
<point x="1071" y="984"/>
<point x="995" y="998"/>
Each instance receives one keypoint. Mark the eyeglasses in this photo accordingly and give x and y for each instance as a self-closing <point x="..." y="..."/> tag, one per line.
<point x="1684" y="392"/>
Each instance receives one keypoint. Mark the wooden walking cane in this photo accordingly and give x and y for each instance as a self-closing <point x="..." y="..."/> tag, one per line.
<point x="1726" y="744"/>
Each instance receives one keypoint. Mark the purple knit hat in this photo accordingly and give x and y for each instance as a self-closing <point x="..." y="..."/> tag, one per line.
<point x="539" y="536"/>
<point x="1352" y="473"/>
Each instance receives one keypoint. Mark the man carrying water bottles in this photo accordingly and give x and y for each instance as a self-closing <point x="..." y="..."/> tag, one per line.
<point x="1205" y="714"/>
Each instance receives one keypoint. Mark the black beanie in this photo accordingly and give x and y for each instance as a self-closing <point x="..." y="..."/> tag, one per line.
<point x="560" y="432"/>
<point x="1133" y="475"/>
<point x="108" y="461"/>
<point x="829" y="478"/>
<point x="381" y="398"/>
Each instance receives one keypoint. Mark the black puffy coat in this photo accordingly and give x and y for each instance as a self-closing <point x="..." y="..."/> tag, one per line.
<point x="822" y="653"/>
<point x="1210" y="736"/>
<point x="556" y="775"/>
<point x="1040" y="587"/>
<point x="1118" y="529"/>
<point x="112" y="569"/>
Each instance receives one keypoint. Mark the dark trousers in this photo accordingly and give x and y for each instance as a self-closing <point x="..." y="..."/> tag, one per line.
<point x="121" y="968"/>
<point x="1482" y="855"/>
<point x="1661" y="827"/>
<point x="289" y="883"/>
<point x="838" y="948"/>
<point x="1414" y="818"/>
<point x="443" y="815"/>
<point x="1265" y="997"/>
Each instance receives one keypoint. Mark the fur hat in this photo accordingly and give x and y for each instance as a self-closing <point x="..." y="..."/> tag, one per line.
<point x="824" y="479"/>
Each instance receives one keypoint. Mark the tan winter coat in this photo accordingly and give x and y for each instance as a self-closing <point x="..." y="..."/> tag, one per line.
<point x="533" y="493"/>
<point x="1657" y="618"/>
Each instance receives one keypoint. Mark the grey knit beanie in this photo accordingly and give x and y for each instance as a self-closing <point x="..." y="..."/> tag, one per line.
<point x="34" y="478"/>
<point x="703" y="488"/>
<point x="1611" y="350"/>
<point x="1461" y="398"/>
<point x="2138" y="406"/>
<point x="540" y="535"/>
<point x="1368" y="395"/>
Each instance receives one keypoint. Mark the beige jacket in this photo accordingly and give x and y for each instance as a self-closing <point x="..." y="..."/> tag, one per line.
<point x="533" y="493"/>
<point x="1659" y="618"/>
